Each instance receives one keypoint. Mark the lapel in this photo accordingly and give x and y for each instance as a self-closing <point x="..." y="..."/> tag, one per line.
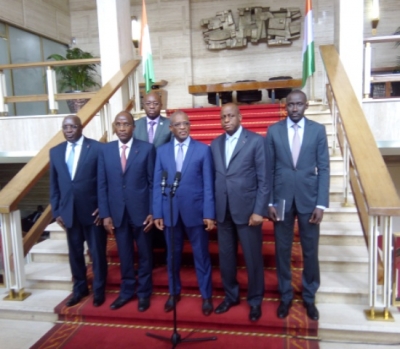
<point x="307" y="134"/>
<point x="160" y="128"/>
<point x="142" y="128"/>
<point x="188" y="155"/>
<point x="133" y="152"/>
<point x="85" y="149"/>
<point x="171" y="160"/>
<point x="62" y="150"/>
<point x="222" y="141"/>
<point x="283" y="132"/>
<point x="239" y="145"/>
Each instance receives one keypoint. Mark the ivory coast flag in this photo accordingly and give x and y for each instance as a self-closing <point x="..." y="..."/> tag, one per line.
<point x="308" y="44"/>
<point x="145" y="51"/>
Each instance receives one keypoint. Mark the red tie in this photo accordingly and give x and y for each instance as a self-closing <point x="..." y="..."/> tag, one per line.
<point x="123" y="157"/>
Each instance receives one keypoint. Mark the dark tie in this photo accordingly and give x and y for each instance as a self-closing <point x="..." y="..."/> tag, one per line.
<point x="295" y="144"/>
<point x="123" y="157"/>
<point x="70" y="160"/>
<point x="179" y="158"/>
<point x="151" y="131"/>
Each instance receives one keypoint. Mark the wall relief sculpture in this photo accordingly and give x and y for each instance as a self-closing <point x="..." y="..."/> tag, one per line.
<point x="254" y="24"/>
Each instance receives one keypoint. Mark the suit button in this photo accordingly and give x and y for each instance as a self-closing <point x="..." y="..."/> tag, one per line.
<point x="123" y="186"/>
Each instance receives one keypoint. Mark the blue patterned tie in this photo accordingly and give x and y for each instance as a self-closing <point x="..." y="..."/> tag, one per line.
<point x="70" y="160"/>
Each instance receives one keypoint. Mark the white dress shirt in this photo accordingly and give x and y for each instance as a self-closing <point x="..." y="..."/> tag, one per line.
<point x="230" y="144"/>
<point x="127" y="150"/>
<point x="185" y="147"/>
<point x="300" y="130"/>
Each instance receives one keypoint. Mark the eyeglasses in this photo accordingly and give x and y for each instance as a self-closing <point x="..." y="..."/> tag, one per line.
<point x="122" y="124"/>
<point x="180" y="124"/>
<point x="67" y="127"/>
<point x="156" y="104"/>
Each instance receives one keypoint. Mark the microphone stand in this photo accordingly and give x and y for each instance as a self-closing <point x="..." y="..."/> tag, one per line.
<point x="175" y="338"/>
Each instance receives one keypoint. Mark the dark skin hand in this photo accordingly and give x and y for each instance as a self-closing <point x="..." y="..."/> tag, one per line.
<point x="60" y="222"/>
<point x="97" y="220"/>
<point x="148" y="223"/>
<point x="209" y="223"/>
<point x="316" y="217"/>
<point x="255" y="219"/>
<point x="108" y="225"/>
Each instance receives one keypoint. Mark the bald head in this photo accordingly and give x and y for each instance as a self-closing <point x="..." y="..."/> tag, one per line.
<point x="72" y="128"/>
<point x="152" y="105"/>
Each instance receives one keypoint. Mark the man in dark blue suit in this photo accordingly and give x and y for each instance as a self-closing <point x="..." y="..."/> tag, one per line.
<point x="193" y="206"/>
<point x="73" y="197"/>
<point x="298" y="170"/>
<point x="126" y="169"/>
<point x="241" y="202"/>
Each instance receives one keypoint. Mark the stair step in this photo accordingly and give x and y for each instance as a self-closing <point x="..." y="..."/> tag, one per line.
<point x="53" y="276"/>
<point x="52" y="251"/>
<point x="343" y="258"/>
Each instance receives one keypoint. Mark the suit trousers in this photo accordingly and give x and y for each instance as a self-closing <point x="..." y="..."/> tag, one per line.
<point x="250" y="238"/>
<point x="198" y="237"/>
<point x="125" y="235"/>
<point x="96" y="238"/>
<point x="309" y="239"/>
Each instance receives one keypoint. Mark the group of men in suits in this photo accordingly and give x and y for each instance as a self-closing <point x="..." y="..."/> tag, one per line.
<point x="234" y="184"/>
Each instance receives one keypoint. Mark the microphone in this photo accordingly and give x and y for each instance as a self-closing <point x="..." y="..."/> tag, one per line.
<point x="164" y="182"/>
<point x="175" y="185"/>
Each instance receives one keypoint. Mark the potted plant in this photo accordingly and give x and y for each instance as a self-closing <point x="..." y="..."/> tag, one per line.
<point x="75" y="78"/>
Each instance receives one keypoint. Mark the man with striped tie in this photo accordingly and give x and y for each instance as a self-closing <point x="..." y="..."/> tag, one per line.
<point x="73" y="197"/>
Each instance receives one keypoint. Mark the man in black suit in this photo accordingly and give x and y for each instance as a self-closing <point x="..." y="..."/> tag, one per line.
<point x="241" y="202"/>
<point x="73" y="197"/>
<point x="298" y="170"/>
<point x="125" y="191"/>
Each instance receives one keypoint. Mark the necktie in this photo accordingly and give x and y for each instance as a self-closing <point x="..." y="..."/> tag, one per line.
<point x="295" y="144"/>
<point x="70" y="160"/>
<point x="123" y="157"/>
<point x="151" y="131"/>
<point x="179" y="157"/>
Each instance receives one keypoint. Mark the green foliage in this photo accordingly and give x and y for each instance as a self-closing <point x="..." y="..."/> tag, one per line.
<point x="75" y="77"/>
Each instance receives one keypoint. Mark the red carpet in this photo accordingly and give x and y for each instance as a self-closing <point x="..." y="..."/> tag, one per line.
<point x="84" y="326"/>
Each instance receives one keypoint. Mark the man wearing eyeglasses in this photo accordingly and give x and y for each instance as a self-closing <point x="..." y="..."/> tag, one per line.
<point x="193" y="206"/>
<point x="241" y="202"/>
<point x="125" y="190"/>
<point x="73" y="197"/>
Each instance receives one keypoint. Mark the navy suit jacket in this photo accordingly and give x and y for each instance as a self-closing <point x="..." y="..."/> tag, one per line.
<point x="244" y="183"/>
<point x="132" y="190"/>
<point x="194" y="198"/>
<point x="79" y="194"/>
<point x="162" y="135"/>
<point x="307" y="183"/>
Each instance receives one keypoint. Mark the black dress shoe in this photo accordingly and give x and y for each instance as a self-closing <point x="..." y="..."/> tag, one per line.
<point x="98" y="300"/>
<point x="119" y="302"/>
<point x="225" y="306"/>
<point x="144" y="304"/>
<point x="312" y="311"/>
<point x="283" y="309"/>
<point x="207" y="306"/>
<point x="169" y="304"/>
<point x="75" y="299"/>
<point x="255" y="312"/>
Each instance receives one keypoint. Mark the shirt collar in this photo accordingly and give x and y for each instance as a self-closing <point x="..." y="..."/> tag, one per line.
<point x="236" y="134"/>
<point x="129" y="144"/>
<point x="78" y="142"/>
<point x="186" y="142"/>
<point x="156" y="119"/>
<point x="290" y="123"/>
